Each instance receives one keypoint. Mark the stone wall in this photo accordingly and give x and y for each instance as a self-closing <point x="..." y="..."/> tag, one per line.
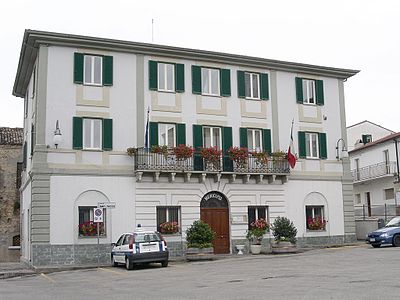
<point x="52" y="255"/>
<point x="10" y="155"/>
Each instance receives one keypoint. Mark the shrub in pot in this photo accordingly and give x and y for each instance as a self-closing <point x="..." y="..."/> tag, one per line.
<point x="199" y="237"/>
<point x="284" y="233"/>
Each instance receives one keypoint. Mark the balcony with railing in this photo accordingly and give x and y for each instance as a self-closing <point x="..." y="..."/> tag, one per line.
<point x="145" y="161"/>
<point x="374" y="171"/>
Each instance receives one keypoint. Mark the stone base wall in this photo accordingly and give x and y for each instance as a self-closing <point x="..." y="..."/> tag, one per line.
<point x="326" y="240"/>
<point x="47" y="255"/>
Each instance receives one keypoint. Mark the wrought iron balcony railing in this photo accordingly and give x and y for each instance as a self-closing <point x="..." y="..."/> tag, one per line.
<point x="148" y="161"/>
<point x="374" y="171"/>
<point x="254" y="166"/>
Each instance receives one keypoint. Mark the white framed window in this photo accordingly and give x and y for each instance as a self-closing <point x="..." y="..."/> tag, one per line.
<point x="252" y="85"/>
<point x="166" y="77"/>
<point x="315" y="217"/>
<point x="92" y="133"/>
<point x="93" y="70"/>
<point x="309" y="91"/>
<point x="86" y="226"/>
<point x="166" y="135"/>
<point x="254" y="140"/>
<point x="212" y="137"/>
<point x="168" y="214"/>
<point x="256" y="212"/>
<point x="312" y="147"/>
<point x="210" y="82"/>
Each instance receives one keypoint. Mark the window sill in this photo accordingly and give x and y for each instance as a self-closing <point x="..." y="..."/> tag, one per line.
<point x="166" y="91"/>
<point x="91" y="237"/>
<point x="92" y="150"/>
<point x="254" y="99"/>
<point x="211" y="95"/>
<point x="92" y="84"/>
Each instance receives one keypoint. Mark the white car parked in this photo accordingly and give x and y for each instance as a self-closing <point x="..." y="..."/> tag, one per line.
<point x="140" y="247"/>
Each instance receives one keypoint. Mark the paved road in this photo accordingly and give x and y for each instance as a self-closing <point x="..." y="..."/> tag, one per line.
<point x="357" y="272"/>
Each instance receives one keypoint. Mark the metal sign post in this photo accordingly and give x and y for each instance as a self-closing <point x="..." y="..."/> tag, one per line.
<point x="98" y="217"/>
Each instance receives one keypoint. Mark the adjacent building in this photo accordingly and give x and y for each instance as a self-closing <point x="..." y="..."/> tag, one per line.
<point x="374" y="163"/>
<point x="10" y="179"/>
<point x="88" y="100"/>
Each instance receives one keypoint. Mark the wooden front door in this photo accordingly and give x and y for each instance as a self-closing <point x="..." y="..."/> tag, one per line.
<point x="218" y="219"/>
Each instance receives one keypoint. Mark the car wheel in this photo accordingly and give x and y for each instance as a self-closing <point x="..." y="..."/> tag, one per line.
<point x="164" y="263"/>
<point x="396" y="240"/>
<point x="376" y="245"/>
<point x="128" y="264"/>
<point x="113" y="262"/>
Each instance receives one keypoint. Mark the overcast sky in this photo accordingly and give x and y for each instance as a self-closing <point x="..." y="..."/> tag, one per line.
<point x="355" y="34"/>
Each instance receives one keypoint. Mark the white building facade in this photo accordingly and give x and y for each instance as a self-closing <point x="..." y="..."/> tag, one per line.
<point x="99" y="92"/>
<point x="374" y="165"/>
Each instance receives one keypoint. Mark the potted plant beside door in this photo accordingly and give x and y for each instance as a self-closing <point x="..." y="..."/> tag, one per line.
<point x="199" y="237"/>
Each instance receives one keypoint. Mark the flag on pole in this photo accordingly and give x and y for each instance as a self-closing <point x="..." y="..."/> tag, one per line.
<point x="291" y="156"/>
<point x="146" y="135"/>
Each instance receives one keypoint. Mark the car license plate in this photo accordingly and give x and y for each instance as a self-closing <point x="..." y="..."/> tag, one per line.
<point x="372" y="239"/>
<point x="154" y="247"/>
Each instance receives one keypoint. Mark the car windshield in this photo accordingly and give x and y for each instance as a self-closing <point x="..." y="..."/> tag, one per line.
<point x="395" y="222"/>
<point x="147" y="237"/>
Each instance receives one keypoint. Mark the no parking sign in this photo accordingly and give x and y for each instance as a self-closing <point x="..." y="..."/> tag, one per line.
<point x="97" y="215"/>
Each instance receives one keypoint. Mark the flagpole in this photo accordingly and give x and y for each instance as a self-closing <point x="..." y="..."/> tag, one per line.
<point x="146" y="135"/>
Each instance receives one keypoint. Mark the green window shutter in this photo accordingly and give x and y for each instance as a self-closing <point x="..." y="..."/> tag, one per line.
<point x="153" y="75"/>
<point x="267" y="141"/>
<point x="225" y="79"/>
<point x="180" y="134"/>
<point x="243" y="137"/>
<point x="302" y="145"/>
<point x="226" y="144"/>
<point x="241" y="84"/>
<point x="179" y="78"/>
<point x="153" y="134"/>
<point x="197" y="144"/>
<point x="196" y="80"/>
<point x="78" y="68"/>
<point x="299" y="90"/>
<point x="322" y="146"/>
<point x="107" y="70"/>
<point x="32" y="139"/>
<point x="77" y="138"/>
<point x="264" y="88"/>
<point x="319" y="90"/>
<point x="25" y="153"/>
<point x="107" y="134"/>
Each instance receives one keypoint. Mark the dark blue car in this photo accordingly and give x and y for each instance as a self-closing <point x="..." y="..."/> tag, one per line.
<point x="388" y="235"/>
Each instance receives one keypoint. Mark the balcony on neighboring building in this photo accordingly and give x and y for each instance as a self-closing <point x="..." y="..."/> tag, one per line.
<point x="270" y="169"/>
<point x="371" y="172"/>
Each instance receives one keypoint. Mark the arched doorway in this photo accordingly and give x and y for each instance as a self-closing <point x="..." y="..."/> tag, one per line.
<point x="215" y="212"/>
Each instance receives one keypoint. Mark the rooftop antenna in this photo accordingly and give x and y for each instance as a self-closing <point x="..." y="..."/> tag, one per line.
<point x="152" y="30"/>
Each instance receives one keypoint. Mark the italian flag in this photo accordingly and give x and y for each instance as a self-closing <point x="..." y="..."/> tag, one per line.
<point x="291" y="157"/>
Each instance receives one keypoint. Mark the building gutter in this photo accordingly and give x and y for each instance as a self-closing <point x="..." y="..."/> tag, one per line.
<point x="33" y="39"/>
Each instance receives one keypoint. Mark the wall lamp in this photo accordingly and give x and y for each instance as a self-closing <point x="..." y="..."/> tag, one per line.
<point x="57" y="139"/>
<point x="342" y="153"/>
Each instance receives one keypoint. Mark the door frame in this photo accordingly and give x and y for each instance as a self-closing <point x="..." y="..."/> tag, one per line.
<point x="215" y="199"/>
